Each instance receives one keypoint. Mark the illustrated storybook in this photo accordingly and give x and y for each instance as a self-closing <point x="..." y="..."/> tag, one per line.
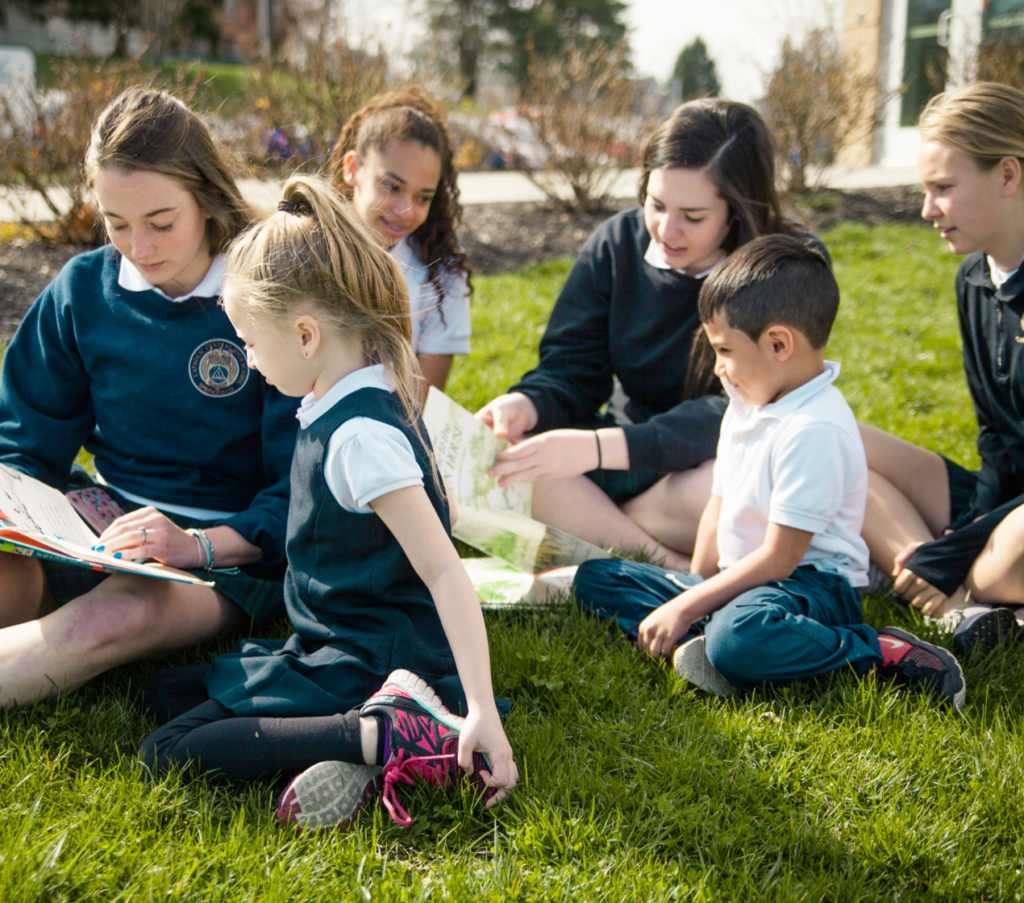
<point x="40" y="521"/>
<point x="539" y="562"/>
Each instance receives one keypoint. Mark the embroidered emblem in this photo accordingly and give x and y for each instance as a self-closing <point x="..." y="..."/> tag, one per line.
<point x="218" y="368"/>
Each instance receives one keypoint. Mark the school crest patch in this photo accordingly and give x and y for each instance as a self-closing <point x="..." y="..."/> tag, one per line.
<point x="218" y="368"/>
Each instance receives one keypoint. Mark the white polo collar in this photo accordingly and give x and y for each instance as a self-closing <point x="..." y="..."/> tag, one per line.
<point x="752" y="414"/>
<point x="654" y="258"/>
<point x="129" y="278"/>
<point x="373" y="377"/>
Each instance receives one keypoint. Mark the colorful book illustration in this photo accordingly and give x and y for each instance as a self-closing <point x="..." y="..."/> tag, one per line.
<point x="494" y="519"/>
<point x="37" y="520"/>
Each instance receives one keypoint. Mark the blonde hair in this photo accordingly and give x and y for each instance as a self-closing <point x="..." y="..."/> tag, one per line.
<point x="984" y="120"/>
<point x="315" y="254"/>
<point x="145" y="130"/>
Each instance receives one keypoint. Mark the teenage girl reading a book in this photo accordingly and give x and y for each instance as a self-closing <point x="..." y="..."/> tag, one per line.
<point x="393" y="160"/>
<point x="389" y="638"/>
<point x="128" y="353"/>
<point x="639" y="475"/>
<point x="942" y="530"/>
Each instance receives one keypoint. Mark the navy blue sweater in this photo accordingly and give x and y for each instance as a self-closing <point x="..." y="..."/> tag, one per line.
<point x="619" y="316"/>
<point x="157" y="390"/>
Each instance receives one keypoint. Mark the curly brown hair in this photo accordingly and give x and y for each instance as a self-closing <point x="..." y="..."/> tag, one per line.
<point x="411" y="114"/>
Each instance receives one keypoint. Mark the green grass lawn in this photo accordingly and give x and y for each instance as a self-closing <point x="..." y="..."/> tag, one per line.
<point x="633" y="786"/>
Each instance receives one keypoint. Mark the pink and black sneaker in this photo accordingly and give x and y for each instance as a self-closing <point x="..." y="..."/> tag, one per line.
<point x="421" y="740"/>
<point x="921" y="665"/>
<point x="327" y="795"/>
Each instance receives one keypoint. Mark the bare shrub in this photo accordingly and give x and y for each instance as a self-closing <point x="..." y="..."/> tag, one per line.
<point x="1000" y="58"/>
<point x="303" y="95"/>
<point x="816" y="100"/>
<point x="44" y="135"/>
<point x="588" y="120"/>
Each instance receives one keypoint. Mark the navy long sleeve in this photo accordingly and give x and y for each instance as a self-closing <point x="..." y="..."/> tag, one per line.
<point x="992" y="331"/>
<point x="619" y="316"/>
<point x="158" y="391"/>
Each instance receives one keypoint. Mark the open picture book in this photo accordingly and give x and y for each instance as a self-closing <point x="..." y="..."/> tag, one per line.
<point x="527" y="560"/>
<point x="38" y="520"/>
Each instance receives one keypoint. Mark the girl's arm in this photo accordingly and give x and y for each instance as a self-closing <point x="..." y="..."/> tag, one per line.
<point x="435" y="369"/>
<point x="410" y="516"/>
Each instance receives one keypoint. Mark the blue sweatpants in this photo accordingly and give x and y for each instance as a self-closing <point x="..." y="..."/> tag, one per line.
<point x="806" y="625"/>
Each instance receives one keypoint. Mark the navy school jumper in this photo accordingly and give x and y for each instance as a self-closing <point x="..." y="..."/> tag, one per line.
<point x="358" y="607"/>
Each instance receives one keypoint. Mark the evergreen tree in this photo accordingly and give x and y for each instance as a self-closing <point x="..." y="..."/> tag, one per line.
<point x="695" y="71"/>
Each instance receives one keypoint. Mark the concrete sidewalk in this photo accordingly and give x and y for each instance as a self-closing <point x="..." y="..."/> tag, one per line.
<point x="486" y="188"/>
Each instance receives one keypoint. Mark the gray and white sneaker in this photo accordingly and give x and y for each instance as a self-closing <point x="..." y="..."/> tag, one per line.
<point x="692" y="664"/>
<point x="327" y="795"/>
<point x="985" y="627"/>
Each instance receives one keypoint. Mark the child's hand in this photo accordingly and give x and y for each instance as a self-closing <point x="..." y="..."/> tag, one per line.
<point x="661" y="631"/>
<point x="554" y="455"/>
<point x="916" y="590"/>
<point x="510" y="416"/>
<point x="483" y="733"/>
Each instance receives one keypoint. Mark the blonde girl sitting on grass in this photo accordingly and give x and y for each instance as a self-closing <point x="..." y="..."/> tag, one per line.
<point x="389" y="639"/>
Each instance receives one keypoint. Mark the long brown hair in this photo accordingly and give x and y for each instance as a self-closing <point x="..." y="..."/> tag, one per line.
<point x="316" y="253"/>
<point x="731" y="145"/>
<point x="411" y="114"/>
<point x="145" y="130"/>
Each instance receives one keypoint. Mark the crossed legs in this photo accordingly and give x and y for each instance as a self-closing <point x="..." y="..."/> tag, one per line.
<point x="123" y="619"/>
<point x="908" y="502"/>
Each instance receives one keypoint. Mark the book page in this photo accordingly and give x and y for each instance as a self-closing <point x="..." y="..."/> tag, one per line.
<point x="521" y="541"/>
<point x="465" y="450"/>
<point x="33" y="506"/>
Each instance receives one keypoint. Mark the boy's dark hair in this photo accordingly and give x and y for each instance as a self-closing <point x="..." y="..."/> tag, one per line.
<point x="773" y="279"/>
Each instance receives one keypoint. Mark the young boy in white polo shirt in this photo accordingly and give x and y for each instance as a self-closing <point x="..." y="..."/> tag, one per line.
<point x="773" y="595"/>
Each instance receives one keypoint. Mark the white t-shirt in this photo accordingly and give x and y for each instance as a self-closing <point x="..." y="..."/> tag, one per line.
<point x="444" y="330"/>
<point x="365" y="458"/>
<point x="797" y="463"/>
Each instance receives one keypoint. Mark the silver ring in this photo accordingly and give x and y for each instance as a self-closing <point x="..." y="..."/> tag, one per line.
<point x="142" y="533"/>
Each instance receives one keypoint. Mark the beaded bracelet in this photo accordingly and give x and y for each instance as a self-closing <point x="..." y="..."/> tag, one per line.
<point x="204" y="545"/>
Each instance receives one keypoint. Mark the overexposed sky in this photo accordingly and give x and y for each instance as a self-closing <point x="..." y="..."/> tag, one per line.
<point x="743" y="36"/>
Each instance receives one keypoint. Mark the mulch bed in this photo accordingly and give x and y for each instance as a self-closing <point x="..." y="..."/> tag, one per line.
<point x="497" y="237"/>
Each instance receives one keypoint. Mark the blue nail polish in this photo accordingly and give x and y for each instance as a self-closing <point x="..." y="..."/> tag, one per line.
<point x="98" y="548"/>
<point x="117" y="554"/>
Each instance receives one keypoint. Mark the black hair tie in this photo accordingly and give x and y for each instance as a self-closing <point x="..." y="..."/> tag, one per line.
<point x="290" y="207"/>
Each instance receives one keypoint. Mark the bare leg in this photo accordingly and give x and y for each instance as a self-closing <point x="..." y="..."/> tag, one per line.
<point x="997" y="576"/>
<point x="123" y="619"/>
<point x="670" y="510"/>
<point x="891" y="522"/>
<point x="577" y="506"/>
<point x="23" y="591"/>
<point x="919" y="475"/>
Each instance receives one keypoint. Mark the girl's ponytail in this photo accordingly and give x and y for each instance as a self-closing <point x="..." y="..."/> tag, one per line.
<point x="314" y="253"/>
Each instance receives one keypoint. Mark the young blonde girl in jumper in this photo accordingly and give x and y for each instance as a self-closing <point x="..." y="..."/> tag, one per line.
<point x="393" y="160"/>
<point x="389" y="639"/>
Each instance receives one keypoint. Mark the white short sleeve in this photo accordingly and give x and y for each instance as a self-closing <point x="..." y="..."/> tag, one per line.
<point x="366" y="459"/>
<point x="435" y="330"/>
<point x="809" y="471"/>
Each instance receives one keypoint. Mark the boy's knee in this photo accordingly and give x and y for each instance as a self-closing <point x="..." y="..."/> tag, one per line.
<point x="735" y="645"/>
<point x="594" y="579"/>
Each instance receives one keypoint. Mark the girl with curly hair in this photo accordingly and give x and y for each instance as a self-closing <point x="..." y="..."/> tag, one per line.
<point x="393" y="160"/>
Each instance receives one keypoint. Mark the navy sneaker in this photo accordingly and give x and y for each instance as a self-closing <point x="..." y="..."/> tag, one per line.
<point x="921" y="665"/>
<point x="422" y="741"/>
<point x="984" y="627"/>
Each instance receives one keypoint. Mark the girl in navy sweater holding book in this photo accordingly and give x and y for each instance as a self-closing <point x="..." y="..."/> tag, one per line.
<point x="638" y="475"/>
<point x="388" y="667"/>
<point x="128" y="353"/>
